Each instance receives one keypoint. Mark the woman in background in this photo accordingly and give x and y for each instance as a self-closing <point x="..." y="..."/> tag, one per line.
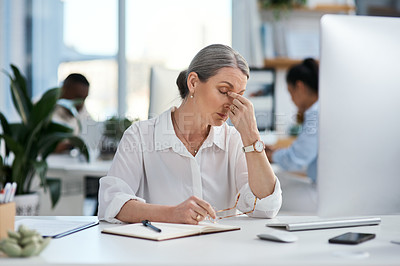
<point x="179" y="166"/>
<point x="302" y="81"/>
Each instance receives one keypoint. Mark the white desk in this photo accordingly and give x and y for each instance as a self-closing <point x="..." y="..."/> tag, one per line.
<point x="73" y="166"/>
<point x="72" y="172"/>
<point x="229" y="248"/>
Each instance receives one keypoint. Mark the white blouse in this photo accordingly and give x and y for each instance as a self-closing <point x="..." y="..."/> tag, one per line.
<point x="152" y="165"/>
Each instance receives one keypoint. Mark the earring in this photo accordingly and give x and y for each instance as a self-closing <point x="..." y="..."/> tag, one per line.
<point x="191" y="96"/>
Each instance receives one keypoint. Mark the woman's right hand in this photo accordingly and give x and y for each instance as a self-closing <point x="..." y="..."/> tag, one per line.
<point x="192" y="211"/>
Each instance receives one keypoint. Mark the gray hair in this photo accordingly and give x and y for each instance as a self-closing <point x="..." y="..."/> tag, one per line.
<point x="208" y="61"/>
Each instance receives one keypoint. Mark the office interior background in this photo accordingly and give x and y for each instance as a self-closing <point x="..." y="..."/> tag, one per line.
<point x="115" y="43"/>
<point x="48" y="40"/>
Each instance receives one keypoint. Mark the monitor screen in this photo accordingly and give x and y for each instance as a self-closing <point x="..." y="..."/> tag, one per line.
<point x="359" y="141"/>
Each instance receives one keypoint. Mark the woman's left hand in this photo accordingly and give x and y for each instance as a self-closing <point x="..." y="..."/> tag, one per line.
<point x="242" y="116"/>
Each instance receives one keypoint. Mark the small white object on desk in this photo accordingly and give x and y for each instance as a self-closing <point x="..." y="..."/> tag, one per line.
<point x="278" y="236"/>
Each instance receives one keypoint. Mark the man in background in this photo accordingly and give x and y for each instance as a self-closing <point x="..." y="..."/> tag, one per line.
<point x="76" y="88"/>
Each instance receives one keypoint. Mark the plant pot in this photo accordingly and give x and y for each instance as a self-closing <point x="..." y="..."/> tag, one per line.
<point x="108" y="147"/>
<point x="27" y="205"/>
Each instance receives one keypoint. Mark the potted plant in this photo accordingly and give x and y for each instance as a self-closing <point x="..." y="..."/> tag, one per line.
<point x="277" y="31"/>
<point x="279" y="6"/>
<point x="114" y="128"/>
<point x="29" y="142"/>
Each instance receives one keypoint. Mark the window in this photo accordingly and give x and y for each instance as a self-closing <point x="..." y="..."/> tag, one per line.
<point x="64" y="36"/>
<point x="168" y="34"/>
<point x="90" y="38"/>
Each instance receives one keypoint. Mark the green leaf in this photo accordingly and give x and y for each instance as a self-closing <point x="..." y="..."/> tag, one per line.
<point x="49" y="141"/>
<point x="40" y="168"/>
<point x="55" y="134"/>
<point x="55" y="127"/>
<point x="20" y="79"/>
<point x="40" y="117"/>
<point x="115" y="127"/>
<point x="31" y="147"/>
<point x="4" y="125"/>
<point x="5" y="174"/>
<point x="18" y="131"/>
<point x="55" y="190"/>
<point x="12" y="145"/>
<point x="20" y="174"/>
<point x="6" y="129"/>
<point x="43" y="109"/>
<point x="21" y="100"/>
<point x="80" y="144"/>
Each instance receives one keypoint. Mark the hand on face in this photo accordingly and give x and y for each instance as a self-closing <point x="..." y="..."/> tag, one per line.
<point x="192" y="211"/>
<point x="241" y="114"/>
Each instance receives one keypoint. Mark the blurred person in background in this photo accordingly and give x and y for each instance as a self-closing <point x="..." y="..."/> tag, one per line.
<point x="302" y="81"/>
<point x="75" y="87"/>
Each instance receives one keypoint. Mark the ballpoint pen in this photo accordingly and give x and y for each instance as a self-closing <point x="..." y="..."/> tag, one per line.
<point x="148" y="224"/>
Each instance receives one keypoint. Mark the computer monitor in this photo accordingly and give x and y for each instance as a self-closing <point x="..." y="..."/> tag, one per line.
<point x="163" y="90"/>
<point x="359" y="141"/>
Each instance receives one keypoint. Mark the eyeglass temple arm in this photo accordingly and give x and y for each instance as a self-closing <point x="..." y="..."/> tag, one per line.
<point x="228" y="209"/>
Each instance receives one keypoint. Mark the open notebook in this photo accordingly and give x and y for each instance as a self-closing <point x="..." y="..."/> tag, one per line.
<point x="168" y="230"/>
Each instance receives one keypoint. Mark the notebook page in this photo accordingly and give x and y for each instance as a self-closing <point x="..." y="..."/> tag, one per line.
<point x="167" y="231"/>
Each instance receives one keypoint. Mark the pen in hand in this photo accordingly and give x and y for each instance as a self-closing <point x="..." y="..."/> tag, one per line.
<point x="148" y="224"/>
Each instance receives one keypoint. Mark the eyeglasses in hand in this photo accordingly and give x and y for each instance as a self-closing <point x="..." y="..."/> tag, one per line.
<point x="234" y="207"/>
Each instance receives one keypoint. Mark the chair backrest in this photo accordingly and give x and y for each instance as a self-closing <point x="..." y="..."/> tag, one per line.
<point x="163" y="90"/>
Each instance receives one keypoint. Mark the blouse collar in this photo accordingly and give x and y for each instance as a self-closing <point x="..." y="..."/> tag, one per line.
<point x="165" y="137"/>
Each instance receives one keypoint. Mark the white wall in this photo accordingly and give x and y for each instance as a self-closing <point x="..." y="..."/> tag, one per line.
<point x="46" y="52"/>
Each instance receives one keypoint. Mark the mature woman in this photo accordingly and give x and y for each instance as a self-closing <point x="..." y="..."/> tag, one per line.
<point x="186" y="163"/>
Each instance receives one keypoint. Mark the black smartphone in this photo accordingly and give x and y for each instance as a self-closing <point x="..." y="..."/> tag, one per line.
<point x="351" y="238"/>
